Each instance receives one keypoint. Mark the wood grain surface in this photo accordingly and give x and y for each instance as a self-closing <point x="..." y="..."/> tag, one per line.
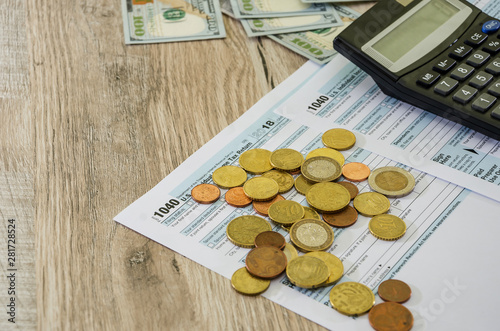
<point x="88" y="125"/>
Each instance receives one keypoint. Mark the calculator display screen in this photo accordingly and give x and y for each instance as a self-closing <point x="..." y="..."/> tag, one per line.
<point x="415" y="28"/>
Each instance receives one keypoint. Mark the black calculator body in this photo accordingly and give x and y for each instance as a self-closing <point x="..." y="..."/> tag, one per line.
<point x="439" y="55"/>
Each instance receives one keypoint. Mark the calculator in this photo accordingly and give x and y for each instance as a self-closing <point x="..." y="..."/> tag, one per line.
<point x="439" y="55"/>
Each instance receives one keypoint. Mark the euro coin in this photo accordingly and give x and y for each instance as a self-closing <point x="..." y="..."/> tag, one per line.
<point x="266" y="262"/>
<point x="353" y="189"/>
<point x="339" y="139"/>
<point x="261" y="188"/>
<point x="321" y="169"/>
<point x="302" y="185"/>
<point x="270" y="238"/>
<point x="262" y="207"/>
<point x="205" y="193"/>
<point x="344" y="218"/>
<point x="255" y="161"/>
<point x="390" y="316"/>
<point x="286" y="212"/>
<point x="311" y="213"/>
<point x="328" y="152"/>
<point x="229" y="176"/>
<point x="307" y="271"/>
<point x="286" y="159"/>
<point x="236" y="197"/>
<point x="393" y="182"/>
<point x="245" y="283"/>
<point x="351" y="298"/>
<point x="328" y="197"/>
<point x="394" y="290"/>
<point x="290" y="252"/>
<point x="371" y="203"/>
<point x="284" y="179"/>
<point x="311" y="235"/>
<point x="387" y="227"/>
<point x="334" y="265"/>
<point x="355" y="171"/>
<point x="242" y="230"/>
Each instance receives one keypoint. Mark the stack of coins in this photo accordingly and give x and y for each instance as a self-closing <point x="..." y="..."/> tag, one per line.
<point x="334" y="201"/>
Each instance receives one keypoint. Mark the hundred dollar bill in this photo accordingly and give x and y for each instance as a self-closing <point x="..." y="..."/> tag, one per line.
<point x="226" y="8"/>
<point x="157" y="21"/>
<point x="277" y="8"/>
<point x="317" y="45"/>
<point x="266" y="26"/>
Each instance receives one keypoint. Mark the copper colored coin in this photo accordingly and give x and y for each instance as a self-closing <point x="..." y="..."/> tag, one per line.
<point x="270" y="238"/>
<point x="266" y="262"/>
<point x="355" y="171"/>
<point x="347" y="217"/>
<point x="205" y="193"/>
<point x="390" y="316"/>
<point x="236" y="197"/>
<point x="394" y="290"/>
<point x="353" y="189"/>
<point x="262" y="207"/>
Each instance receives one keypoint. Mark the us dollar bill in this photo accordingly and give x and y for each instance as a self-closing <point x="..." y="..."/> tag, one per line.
<point x="226" y="8"/>
<point x="277" y="8"/>
<point x="158" y="21"/>
<point x="266" y="26"/>
<point x="317" y="45"/>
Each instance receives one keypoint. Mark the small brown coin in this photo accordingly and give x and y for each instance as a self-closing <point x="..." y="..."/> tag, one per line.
<point x="266" y="262"/>
<point x="356" y="171"/>
<point x="270" y="238"/>
<point x="342" y="219"/>
<point x="390" y="316"/>
<point x="262" y="207"/>
<point x="205" y="193"/>
<point x="394" y="290"/>
<point x="236" y="197"/>
<point x="353" y="189"/>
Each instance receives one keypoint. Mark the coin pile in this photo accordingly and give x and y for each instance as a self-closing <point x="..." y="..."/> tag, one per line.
<point x="310" y="227"/>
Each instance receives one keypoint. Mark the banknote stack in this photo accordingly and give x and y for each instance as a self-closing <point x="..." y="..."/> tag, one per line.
<point x="307" y="27"/>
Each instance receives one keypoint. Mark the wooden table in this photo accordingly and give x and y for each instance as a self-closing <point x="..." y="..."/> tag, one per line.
<point x="87" y="126"/>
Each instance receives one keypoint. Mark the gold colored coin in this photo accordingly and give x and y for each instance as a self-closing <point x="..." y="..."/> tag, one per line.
<point x="286" y="212"/>
<point x="290" y="252"/>
<point x="245" y="283"/>
<point x="229" y="176"/>
<point x="242" y="230"/>
<point x="302" y="185"/>
<point x="307" y="271"/>
<point x="261" y="188"/>
<point x="351" y="298"/>
<point x="371" y="203"/>
<point x="284" y="179"/>
<point x="393" y="182"/>
<point x="286" y="159"/>
<point x="339" y="139"/>
<point x="255" y="161"/>
<point x="311" y="214"/>
<point x="387" y="227"/>
<point x="310" y="235"/>
<point x="328" y="152"/>
<point x="321" y="169"/>
<point x="328" y="197"/>
<point x="334" y="264"/>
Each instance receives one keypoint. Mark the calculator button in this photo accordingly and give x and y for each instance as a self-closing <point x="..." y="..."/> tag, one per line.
<point x="428" y="78"/>
<point x="476" y="39"/>
<point x="478" y="59"/>
<point x="494" y="67"/>
<point x="491" y="26"/>
<point x="492" y="47"/>
<point x="465" y="94"/>
<point x="460" y="52"/>
<point x="462" y="72"/>
<point x="484" y="102"/>
<point x="446" y="86"/>
<point x="444" y="64"/>
<point x="496" y="112"/>
<point x="494" y="89"/>
<point x="480" y="80"/>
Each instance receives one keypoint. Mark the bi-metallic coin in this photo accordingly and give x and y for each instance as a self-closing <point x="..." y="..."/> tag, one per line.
<point x="310" y="235"/>
<point x="393" y="182"/>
